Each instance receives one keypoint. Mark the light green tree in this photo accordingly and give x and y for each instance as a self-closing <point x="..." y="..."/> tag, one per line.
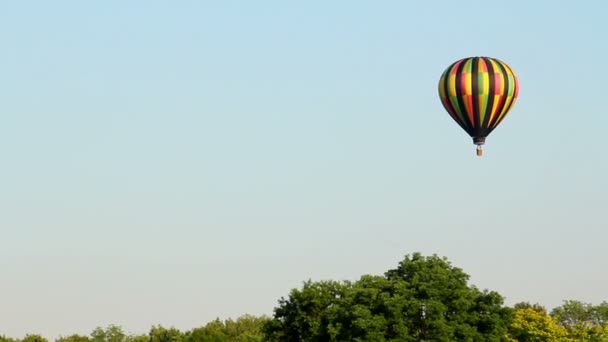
<point x="533" y="324"/>
<point x="246" y="328"/>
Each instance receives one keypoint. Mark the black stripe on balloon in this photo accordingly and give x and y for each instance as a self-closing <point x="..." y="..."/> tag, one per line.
<point x="486" y="118"/>
<point x="475" y="91"/>
<point x="459" y="91"/>
<point x="503" y="98"/>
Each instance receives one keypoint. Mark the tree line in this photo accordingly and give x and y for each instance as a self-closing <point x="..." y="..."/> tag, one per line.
<point x="425" y="298"/>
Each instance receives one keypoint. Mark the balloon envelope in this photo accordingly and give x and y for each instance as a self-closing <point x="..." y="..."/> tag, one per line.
<point x="478" y="92"/>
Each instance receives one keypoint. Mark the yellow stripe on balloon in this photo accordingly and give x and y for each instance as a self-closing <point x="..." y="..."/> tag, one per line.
<point x="485" y="83"/>
<point x="505" y="109"/>
<point x="442" y="94"/>
<point x="494" y="107"/>
<point x="452" y="84"/>
<point x="482" y="101"/>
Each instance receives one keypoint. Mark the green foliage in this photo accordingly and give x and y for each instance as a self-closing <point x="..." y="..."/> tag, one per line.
<point x="442" y="307"/>
<point x="73" y="338"/>
<point x="573" y="321"/>
<point x="7" y="339"/>
<point x="530" y="324"/>
<point x="34" y="338"/>
<point x="246" y="328"/>
<point x="526" y="305"/>
<point x="304" y="315"/>
<point x="583" y="321"/>
<point x="573" y="313"/>
<point x="161" y="334"/>
<point x="27" y="338"/>
<point x="423" y="299"/>
<point x="112" y="333"/>
<point x="138" y="338"/>
<point x="600" y="313"/>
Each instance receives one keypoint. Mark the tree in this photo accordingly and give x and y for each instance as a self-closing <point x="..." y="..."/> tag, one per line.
<point x="442" y="307"/>
<point x="583" y="321"/>
<point x="246" y="328"/>
<point x="34" y="338"/>
<point x="161" y="334"/>
<point x="600" y="313"/>
<point x="527" y="305"/>
<point x="73" y="338"/>
<point x="212" y="332"/>
<point x="533" y="324"/>
<point x="304" y="316"/>
<point x="367" y="311"/>
<point x="112" y="333"/>
<point x="138" y="338"/>
<point x="7" y="339"/>
<point x="423" y="299"/>
<point x="599" y="332"/>
<point x="573" y="313"/>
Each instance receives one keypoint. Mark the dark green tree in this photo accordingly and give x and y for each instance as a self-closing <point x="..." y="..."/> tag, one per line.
<point x="600" y="313"/>
<point x="138" y="338"/>
<point x="112" y="333"/>
<point x="4" y="338"/>
<point x="160" y="334"/>
<point x="583" y="321"/>
<point x="73" y="338"/>
<point x="574" y="312"/>
<point x="423" y="299"/>
<point x="304" y="316"/>
<point x="443" y="307"/>
<point x="526" y="305"/>
<point x="34" y="338"/>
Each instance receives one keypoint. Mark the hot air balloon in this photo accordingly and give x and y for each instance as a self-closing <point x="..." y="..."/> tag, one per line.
<point x="478" y="92"/>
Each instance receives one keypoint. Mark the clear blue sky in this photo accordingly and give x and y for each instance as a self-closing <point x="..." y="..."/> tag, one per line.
<point x="173" y="162"/>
